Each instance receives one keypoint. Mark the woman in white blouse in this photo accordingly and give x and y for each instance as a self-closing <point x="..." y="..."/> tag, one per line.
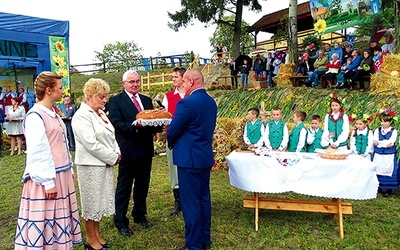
<point x="15" y="115"/>
<point x="48" y="202"/>
<point x="96" y="153"/>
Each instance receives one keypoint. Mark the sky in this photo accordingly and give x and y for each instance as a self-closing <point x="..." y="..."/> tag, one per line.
<point x="93" y="24"/>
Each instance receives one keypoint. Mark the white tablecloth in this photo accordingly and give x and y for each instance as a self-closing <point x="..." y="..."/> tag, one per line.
<point x="353" y="178"/>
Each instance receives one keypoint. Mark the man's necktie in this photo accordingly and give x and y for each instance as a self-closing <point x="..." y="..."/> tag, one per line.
<point x="137" y="105"/>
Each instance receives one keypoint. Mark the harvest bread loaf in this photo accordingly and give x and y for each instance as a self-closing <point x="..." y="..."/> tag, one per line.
<point x="154" y="114"/>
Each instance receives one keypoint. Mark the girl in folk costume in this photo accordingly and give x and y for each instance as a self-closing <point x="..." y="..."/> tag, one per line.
<point x="15" y="115"/>
<point x="385" y="158"/>
<point x="336" y="123"/>
<point x="362" y="138"/>
<point x="48" y="214"/>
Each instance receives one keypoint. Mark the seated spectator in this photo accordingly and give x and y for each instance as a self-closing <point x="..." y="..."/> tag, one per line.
<point x="340" y="80"/>
<point x="327" y="50"/>
<point x="366" y="68"/>
<point x="372" y="45"/>
<point x="333" y="69"/>
<point x="311" y="49"/>
<point x="348" y="49"/>
<point x="389" y="45"/>
<point x="336" y="49"/>
<point x="320" y="68"/>
<point x="352" y="68"/>
<point x="378" y="58"/>
<point x="304" y="65"/>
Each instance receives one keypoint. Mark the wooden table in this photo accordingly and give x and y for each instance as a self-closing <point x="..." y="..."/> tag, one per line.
<point x="353" y="178"/>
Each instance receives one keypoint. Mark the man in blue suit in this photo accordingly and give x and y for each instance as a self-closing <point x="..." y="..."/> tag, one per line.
<point x="190" y="135"/>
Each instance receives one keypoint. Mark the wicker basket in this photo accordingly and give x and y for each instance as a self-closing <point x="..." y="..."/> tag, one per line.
<point x="333" y="156"/>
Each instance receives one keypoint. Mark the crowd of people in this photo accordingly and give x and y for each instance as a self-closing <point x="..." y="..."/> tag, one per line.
<point x="264" y="68"/>
<point x="101" y="140"/>
<point x="378" y="146"/>
<point x="341" y="67"/>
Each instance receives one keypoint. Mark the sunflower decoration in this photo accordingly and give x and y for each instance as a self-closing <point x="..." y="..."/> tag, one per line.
<point x="59" y="61"/>
<point x="60" y="46"/>
<point x="62" y="72"/>
<point x="320" y="26"/>
<point x="388" y="112"/>
<point x="362" y="116"/>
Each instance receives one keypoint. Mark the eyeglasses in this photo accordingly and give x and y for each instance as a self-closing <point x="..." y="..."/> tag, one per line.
<point x="132" y="81"/>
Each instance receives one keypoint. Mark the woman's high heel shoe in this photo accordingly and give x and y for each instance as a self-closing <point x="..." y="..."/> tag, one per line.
<point x="107" y="245"/>
<point x="89" y="247"/>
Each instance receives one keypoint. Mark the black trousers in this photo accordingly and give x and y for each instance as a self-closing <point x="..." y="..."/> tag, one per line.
<point x="134" y="173"/>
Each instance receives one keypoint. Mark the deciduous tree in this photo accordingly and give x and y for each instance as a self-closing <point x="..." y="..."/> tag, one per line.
<point x="211" y="12"/>
<point x="224" y="34"/>
<point x="120" y="56"/>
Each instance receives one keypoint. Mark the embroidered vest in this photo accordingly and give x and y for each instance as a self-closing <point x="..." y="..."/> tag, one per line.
<point x="56" y="134"/>
<point x="362" y="142"/>
<point x="385" y="151"/>
<point x="173" y="99"/>
<point x="275" y="133"/>
<point x="336" y="128"/>
<point x="7" y="99"/>
<point x="317" y="141"/>
<point x="254" y="131"/>
<point x="295" y="137"/>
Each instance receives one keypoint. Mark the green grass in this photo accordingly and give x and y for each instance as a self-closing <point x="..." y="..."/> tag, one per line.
<point x="373" y="225"/>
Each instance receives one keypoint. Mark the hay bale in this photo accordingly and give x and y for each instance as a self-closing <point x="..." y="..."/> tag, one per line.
<point x="391" y="62"/>
<point x="282" y="81"/>
<point x="383" y="84"/>
<point x="287" y="69"/>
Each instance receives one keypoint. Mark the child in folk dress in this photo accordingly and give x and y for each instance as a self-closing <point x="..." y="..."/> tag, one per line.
<point x="362" y="138"/>
<point x="385" y="158"/>
<point x="298" y="135"/>
<point x="336" y="124"/>
<point x="276" y="134"/>
<point x="254" y="129"/>
<point x="314" y="135"/>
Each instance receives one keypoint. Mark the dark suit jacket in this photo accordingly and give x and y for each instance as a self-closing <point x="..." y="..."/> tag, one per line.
<point x="135" y="143"/>
<point x="191" y="130"/>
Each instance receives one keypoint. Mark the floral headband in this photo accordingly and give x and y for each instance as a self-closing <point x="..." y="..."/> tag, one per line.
<point x="387" y="111"/>
<point x="343" y="101"/>
<point x="363" y="117"/>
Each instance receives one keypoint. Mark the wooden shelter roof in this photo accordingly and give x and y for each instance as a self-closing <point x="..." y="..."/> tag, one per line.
<point x="272" y="22"/>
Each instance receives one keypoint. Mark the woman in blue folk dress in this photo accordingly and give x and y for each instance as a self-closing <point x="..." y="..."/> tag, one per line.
<point x="385" y="157"/>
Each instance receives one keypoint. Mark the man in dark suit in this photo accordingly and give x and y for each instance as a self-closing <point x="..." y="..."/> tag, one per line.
<point x="137" y="150"/>
<point x="190" y="135"/>
<point x="68" y="109"/>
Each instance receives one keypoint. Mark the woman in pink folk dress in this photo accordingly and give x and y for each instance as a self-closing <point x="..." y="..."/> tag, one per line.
<point x="48" y="215"/>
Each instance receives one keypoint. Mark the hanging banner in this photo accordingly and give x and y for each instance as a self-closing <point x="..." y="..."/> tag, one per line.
<point x="333" y="15"/>
<point x="59" y="60"/>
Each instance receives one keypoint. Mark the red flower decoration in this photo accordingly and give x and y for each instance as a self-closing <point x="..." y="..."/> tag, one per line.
<point x="392" y="113"/>
<point x="371" y="118"/>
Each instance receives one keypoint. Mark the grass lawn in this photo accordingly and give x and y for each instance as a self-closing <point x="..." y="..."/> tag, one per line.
<point x="375" y="224"/>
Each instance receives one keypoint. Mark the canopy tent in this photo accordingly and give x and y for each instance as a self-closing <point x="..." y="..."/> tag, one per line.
<point x="25" y="44"/>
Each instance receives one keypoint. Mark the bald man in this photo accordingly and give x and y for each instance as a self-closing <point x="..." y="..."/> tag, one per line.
<point x="190" y="135"/>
